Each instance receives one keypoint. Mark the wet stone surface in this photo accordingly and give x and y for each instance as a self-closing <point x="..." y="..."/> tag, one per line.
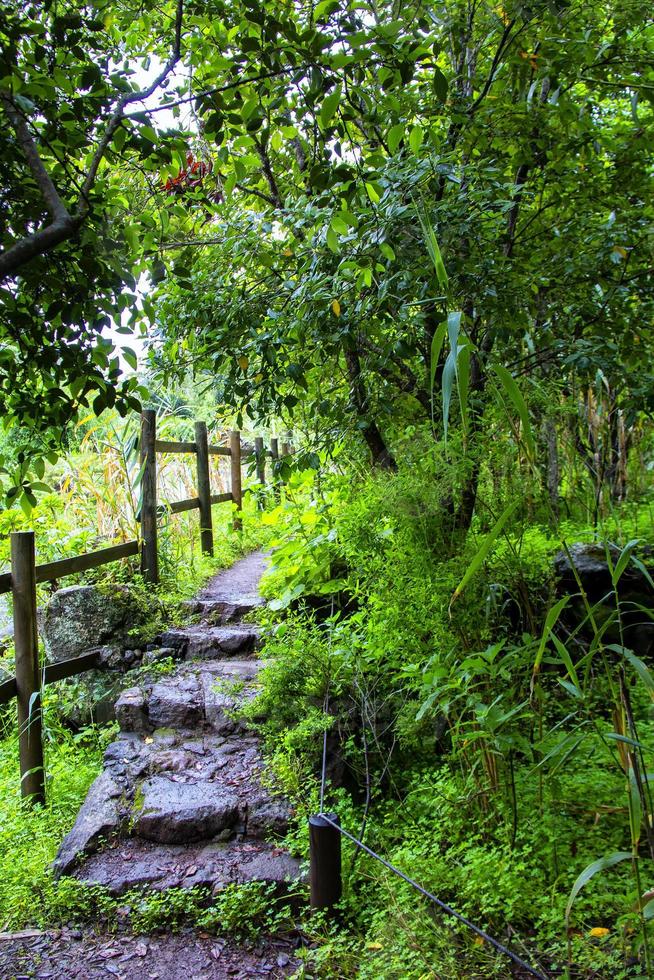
<point x="183" y="799"/>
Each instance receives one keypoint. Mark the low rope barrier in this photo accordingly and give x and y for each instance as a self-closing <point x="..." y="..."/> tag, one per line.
<point x="437" y="901"/>
<point x="443" y="906"/>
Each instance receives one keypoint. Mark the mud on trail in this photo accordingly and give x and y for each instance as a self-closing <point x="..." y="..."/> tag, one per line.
<point x="72" y="955"/>
<point x="183" y="800"/>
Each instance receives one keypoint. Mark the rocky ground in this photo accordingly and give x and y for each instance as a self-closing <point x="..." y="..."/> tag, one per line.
<point x="69" y="954"/>
<point x="183" y="800"/>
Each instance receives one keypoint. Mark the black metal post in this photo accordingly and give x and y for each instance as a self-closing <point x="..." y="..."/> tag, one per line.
<point x="325" y="882"/>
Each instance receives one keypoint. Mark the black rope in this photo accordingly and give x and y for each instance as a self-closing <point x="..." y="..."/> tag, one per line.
<point x="400" y="874"/>
<point x="442" y="905"/>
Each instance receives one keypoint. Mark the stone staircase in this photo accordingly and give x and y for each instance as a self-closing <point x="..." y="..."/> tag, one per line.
<point x="184" y="798"/>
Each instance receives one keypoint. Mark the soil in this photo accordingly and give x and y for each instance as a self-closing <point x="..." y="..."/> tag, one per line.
<point x="70" y="954"/>
<point x="201" y="757"/>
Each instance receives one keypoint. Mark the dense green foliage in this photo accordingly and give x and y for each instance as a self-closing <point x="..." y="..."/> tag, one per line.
<point x="419" y="236"/>
<point x="492" y="781"/>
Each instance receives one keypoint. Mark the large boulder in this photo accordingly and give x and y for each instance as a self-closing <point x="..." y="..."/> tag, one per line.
<point x="85" y="617"/>
<point x="592" y="569"/>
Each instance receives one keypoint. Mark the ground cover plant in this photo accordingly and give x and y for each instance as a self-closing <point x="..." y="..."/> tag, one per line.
<point x="413" y="242"/>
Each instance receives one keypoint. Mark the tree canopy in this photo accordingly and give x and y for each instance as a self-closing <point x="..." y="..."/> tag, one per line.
<point x="314" y="190"/>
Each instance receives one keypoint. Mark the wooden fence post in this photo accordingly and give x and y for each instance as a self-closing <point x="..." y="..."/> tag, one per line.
<point x="260" y="456"/>
<point x="286" y="451"/>
<point x="274" y="454"/>
<point x="204" y="487"/>
<point x="28" y="680"/>
<point x="325" y="884"/>
<point x="237" y="493"/>
<point x="149" y="556"/>
<point x="260" y="460"/>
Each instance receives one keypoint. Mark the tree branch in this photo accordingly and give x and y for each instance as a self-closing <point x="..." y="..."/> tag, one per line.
<point x="64" y="224"/>
<point x="212" y="91"/>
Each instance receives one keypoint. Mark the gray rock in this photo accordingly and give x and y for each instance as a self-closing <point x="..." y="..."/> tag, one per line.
<point x="234" y="670"/>
<point x="272" y="867"/>
<point x="170" y="760"/>
<point x="136" y="863"/>
<point x="174" y="812"/>
<point x="111" y="657"/>
<point x="202" y="642"/>
<point x="268" y="816"/>
<point x="175" y="703"/>
<point x="592" y="569"/>
<point x="98" y="819"/>
<point x="131" y="710"/>
<point x="222" y="611"/>
<point x="217" y="706"/>
<point x="159" y="653"/>
<point x="127" y="758"/>
<point x="82" y="617"/>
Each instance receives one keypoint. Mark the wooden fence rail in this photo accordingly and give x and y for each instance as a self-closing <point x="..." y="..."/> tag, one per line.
<point x="21" y="581"/>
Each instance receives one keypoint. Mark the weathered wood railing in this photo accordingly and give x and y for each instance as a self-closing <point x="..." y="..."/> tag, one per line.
<point x="25" y="574"/>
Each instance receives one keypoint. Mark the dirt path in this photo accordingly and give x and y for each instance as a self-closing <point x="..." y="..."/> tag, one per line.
<point x="183" y="800"/>
<point x="69" y="954"/>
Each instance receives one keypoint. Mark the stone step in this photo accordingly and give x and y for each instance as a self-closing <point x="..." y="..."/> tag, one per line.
<point x="183" y="799"/>
<point x="222" y="611"/>
<point x="194" y="696"/>
<point x="202" y="642"/>
<point x="177" y="787"/>
<point x="140" y="864"/>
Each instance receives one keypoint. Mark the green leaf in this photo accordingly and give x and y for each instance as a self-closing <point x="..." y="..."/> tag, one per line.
<point x="329" y="106"/>
<point x="374" y="192"/>
<point x="566" y="659"/>
<point x="601" y="865"/>
<point x="431" y="241"/>
<point x="149" y="134"/>
<point x="513" y="392"/>
<point x="484" y="549"/>
<point x="641" y="568"/>
<point x="332" y="240"/>
<point x="130" y="357"/>
<point x="416" y="137"/>
<point x="325" y="8"/>
<point x="463" y="381"/>
<point x="350" y="219"/>
<point x="387" y="251"/>
<point x="440" y="84"/>
<point x="395" y="136"/>
<point x="550" y="622"/>
<point x="436" y="347"/>
<point x="339" y="225"/>
<point x="450" y="368"/>
<point x="623" y="561"/>
<point x="641" y="669"/>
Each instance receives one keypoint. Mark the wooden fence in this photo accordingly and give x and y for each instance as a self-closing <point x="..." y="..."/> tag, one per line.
<point x="25" y="574"/>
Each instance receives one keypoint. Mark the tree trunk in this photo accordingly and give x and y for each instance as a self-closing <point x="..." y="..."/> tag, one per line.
<point x="552" y="447"/>
<point x="381" y="456"/>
